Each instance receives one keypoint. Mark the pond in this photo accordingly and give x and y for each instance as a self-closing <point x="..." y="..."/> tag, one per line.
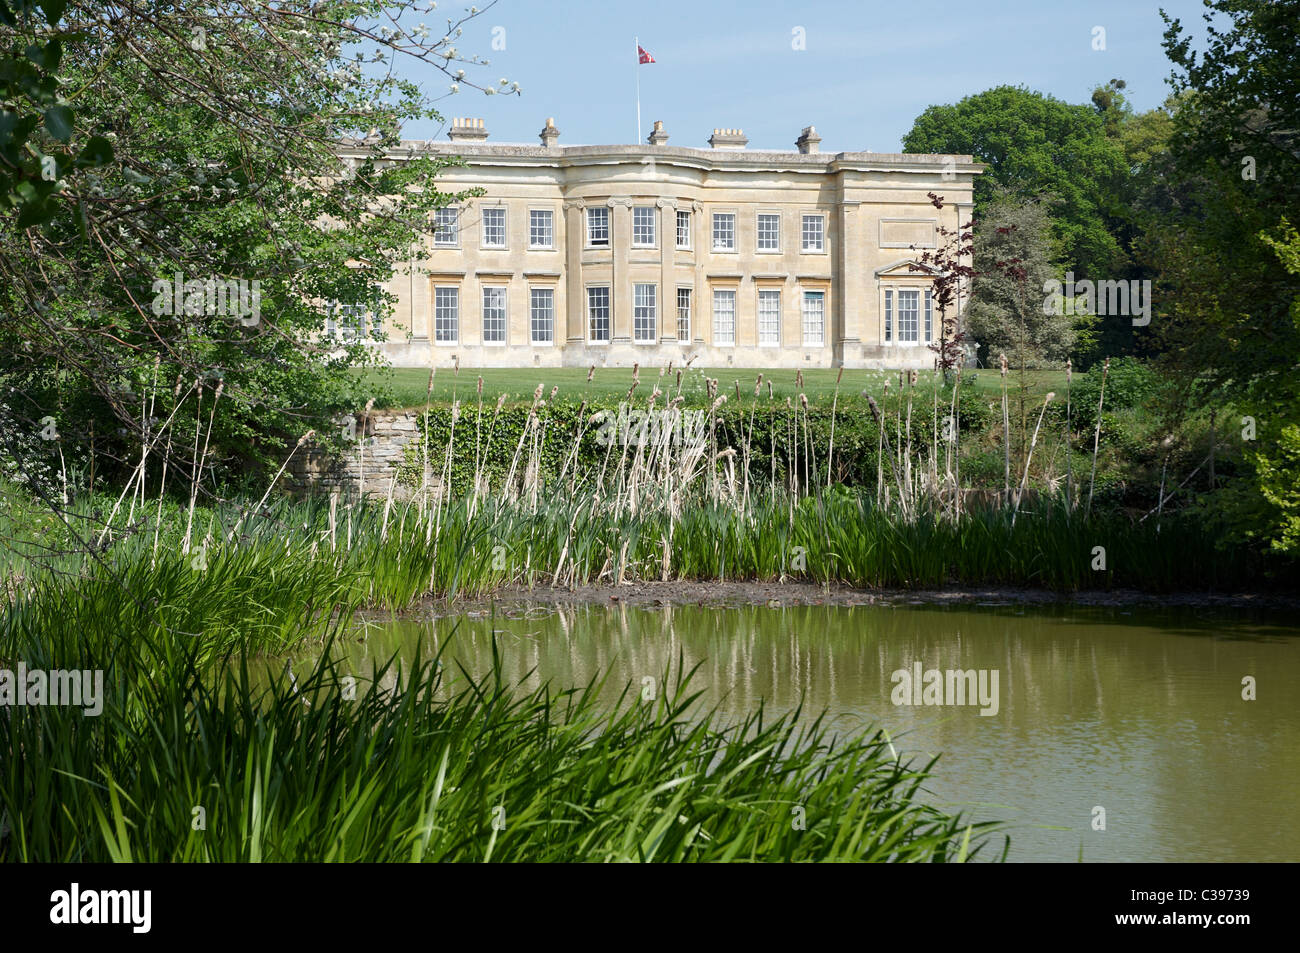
<point x="1044" y="717"/>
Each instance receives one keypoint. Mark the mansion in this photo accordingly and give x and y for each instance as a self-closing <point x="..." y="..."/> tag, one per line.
<point x="610" y="255"/>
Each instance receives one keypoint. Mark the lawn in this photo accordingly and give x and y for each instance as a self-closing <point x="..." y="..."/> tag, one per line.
<point x="406" y="387"/>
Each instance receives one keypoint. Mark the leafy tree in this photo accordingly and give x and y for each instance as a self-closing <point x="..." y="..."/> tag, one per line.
<point x="1013" y="261"/>
<point x="1036" y="145"/>
<point x="224" y="126"/>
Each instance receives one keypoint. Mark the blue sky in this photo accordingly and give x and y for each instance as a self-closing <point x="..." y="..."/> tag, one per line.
<point x="868" y="70"/>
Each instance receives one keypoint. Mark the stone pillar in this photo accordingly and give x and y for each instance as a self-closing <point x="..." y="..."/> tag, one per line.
<point x="574" y="295"/>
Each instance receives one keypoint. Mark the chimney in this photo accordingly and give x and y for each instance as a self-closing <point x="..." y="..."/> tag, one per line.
<point x="657" y="136"/>
<point x="467" y="130"/>
<point x="808" y="142"/>
<point x="549" y="133"/>
<point x="727" y="139"/>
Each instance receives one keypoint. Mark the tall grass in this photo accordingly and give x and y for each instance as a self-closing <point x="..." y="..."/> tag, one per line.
<point x="203" y="759"/>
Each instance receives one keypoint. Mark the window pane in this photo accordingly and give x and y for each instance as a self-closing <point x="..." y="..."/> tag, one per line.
<point x="889" y="316"/>
<point x="683" y="229"/>
<point x="684" y="314"/>
<point x="909" y="306"/>
<point x="769" y="318"/>
<point x="643" y="225"/>
<point x="724" y="317"/>
<point x="598" y="226"/>
<point x="542" y="315"/>
<point x="769" y="232"/>
<point x="494" y="227"/>
<point x="446" y="315"/>
<point x="724" y="231"/>
<point x="598" y="313"/>
<point x="928" y="309"/>
<point x="494" y="315"/>
<point x="814" y="318"/>
<point x="445" y="227"/>
<point x="813" y="232"/>
<point x="644" y="312"/>
<point x="540" y="228"/>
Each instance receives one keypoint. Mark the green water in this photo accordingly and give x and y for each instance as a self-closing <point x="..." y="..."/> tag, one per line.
<point x="1139" y="712"/>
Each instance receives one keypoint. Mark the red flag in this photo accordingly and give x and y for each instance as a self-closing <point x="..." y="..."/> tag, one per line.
<point x="643" y="56"/>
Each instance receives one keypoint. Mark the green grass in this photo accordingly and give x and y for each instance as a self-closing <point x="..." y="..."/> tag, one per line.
<point x="203" y="756"/>
<point x="406" y="387"/>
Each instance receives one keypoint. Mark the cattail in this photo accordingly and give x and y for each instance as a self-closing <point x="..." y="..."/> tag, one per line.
<point x="555" y="389"/>
<point x="537" y="394"/>
<point x="840" y="376"/>
<point x="803" y="399"/>
<point x="456" y="369"/>
<point x="591" y="373"/>
<point x="679" y="379"/>
<point x="432" y="371"/>
<point x="769" y="390"/>
<point x="1002" y="358"/>
<point x="798" y="378"/>
<point x="737" y="391"/>
<point x="501" y="401"/>
<point x="480" y="385"/>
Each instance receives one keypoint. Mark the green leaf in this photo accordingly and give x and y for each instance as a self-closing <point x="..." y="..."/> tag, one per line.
<point x="53" y="10"/>
<point x="98" y="151"/>
<point x="58" y="120"/>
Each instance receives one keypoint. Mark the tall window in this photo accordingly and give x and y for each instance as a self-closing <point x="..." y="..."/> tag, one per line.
<point x="494" y="227"/>
<point x="684" y="315"/>
<point x="724" y="231"/>
<point x="889" y="316"/>
<point x="909" y="306"/>
<point x="598" y="314"/>
<point x="541" y="228"/>
<point x="598" y="225"/>
<point x="724" y="316"/>
<point x="446" y="315"/>
<point x="445" y="228"/>
<point x="814" y="233"/>
<point x="643" y="226"/>
<point x="928" y="309"/>
<point x="542" y="315"/>
<point x="814" y="318"/>
<point x="769" y="318"/>
<point x="769" y="232"/>
<point x="683" y="229"/>
<point x="645" y="313"/>
<point x="494" y="315"/>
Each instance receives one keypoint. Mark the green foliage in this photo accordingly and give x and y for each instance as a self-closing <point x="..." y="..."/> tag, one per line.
<point x="1036" y="147"/>
<point x="1130" y="383"/>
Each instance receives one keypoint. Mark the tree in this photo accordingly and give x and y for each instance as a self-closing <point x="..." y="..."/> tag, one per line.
<point x="1013" y="262"/>
<point x="224" y="175"/>
<point x="1036" y="145"/>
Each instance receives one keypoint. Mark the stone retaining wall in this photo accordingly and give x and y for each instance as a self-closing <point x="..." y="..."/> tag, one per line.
<point x="370" y="468"/>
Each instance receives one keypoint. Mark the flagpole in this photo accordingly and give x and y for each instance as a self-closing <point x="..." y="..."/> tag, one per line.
<point x="636" y="41"/>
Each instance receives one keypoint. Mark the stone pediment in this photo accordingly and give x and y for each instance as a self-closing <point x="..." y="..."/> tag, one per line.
<point x="902" y="269"/>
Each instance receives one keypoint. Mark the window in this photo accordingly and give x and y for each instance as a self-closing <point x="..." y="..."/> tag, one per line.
<point x="598" y="314"/>
<point x="494" y="315"/>
<point x="494" y="227"/>
<point x="645" y="313"/>
<point x="724" y="317"/>
<point x="683" y="229"/>
<point x="769" y="232"/>
<point x="643" y="226"/>
<point x="446" y="315"/>
<point x="542" y="315"/>
<point x="541" y="228"/>
<point x="598" y="225"/>
<point x="928" y="310"/>
<point x="724" y="231"/>
<point x="445" y="228"/>
<point x="684" y="315"/>
<point x="814" y="233"/>
<point x="350" y="321"/>
<point x="889" y="316"/>
<point x="909" y="304"/>
<point x="814" y="318"/>
<point x="769" y="318"/>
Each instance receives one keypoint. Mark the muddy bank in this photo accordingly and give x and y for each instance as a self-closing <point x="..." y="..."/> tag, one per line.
<point x="780" y="595"/>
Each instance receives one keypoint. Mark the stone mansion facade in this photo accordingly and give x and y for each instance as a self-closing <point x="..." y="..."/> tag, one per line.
<point x="610" y="255"/>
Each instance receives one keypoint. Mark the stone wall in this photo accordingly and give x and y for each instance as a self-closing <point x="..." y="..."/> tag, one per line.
<point x="371" y="466"/>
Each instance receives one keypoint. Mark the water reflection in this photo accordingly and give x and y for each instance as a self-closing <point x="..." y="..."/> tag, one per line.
<point x="1137" y="712"/>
